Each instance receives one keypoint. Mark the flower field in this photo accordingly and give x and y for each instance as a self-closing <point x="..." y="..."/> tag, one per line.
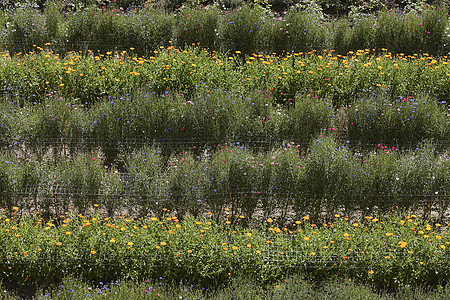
<point x="220" y="144"/>
<point x="273" y="135"/>
<point x="392" y="252"/>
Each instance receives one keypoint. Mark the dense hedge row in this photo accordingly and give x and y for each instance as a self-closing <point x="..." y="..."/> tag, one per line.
<point x="248" y="29"/>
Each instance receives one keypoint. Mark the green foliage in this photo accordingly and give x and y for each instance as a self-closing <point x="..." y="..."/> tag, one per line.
<point x="144" y="168"/>
<point x="210" y="253"/>
<point x="197" y="26"/>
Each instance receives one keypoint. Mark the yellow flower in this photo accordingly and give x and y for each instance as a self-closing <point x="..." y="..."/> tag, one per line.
<point x="306" y="238"/>
<point x="58" y="244"/>
<point x="113" y="240"/>
<point x="443" y="247"/>
<point x="68" y="232"/>
<point x="249" y="234"/>
<point x="371" y="272"/>
<point x="189" y="251"/>
<point x="163" y="243"/>
<point x="93" y="251"/>
<point x="249" y="246"/>
<point x="402" y="244"/>
<point x="234" y="247"/>
<point x="269" y="220"/>
<point x="130" y="244"/>
<point x="313" y="253"/>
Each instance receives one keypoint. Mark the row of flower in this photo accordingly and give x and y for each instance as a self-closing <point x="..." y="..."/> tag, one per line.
<point x="250" y="29"/>
<point x="285" y="181"/>
<point x="339" y="78"/>
<point x="176" y="122"/>
<point x="389" y="252"/>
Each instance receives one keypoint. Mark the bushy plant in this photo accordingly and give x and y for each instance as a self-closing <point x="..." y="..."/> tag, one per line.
<point x="197" y="26"/>
<point x="84" y="181"/>
<point x="112" y="192"/>
<point x="239" y="30"/>
<point x="25" y="28"/>
<point x="186" y="184"/>
<point x="306" y="119"/>
<point x="146" y="177"/>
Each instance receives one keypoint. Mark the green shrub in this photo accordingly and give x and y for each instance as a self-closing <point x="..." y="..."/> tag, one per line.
<point x="197" y="26"/>
<point x="239" y="30"/>
<point x="25" y="28"/>
<point x="146" y="190"/>
<point x="186" y="184"/>
<point x="84" y="181"/>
